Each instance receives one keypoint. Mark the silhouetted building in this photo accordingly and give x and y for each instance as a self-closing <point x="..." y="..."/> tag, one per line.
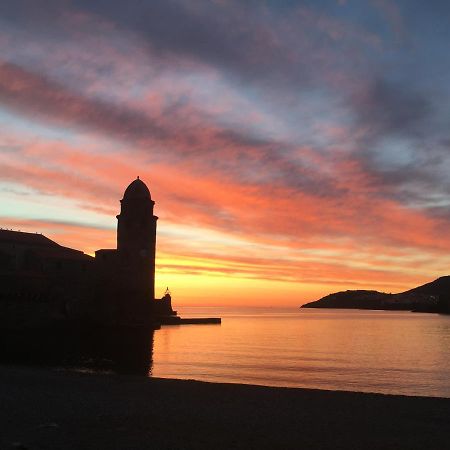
<point x="126" y="275"/>
<point x="40" y="280"/>
<point x="32" y="264"/>
<point x="115" y="287"/>
<point x="136" y="242"/>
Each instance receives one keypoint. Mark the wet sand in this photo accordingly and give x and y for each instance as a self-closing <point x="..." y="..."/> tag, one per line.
<point x="49" y="409"/>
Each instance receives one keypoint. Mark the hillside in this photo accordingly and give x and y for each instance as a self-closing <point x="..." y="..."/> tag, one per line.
<point x="439" y="287"/>
<point x="429" y="297"/>
<point x="360" y="299"/>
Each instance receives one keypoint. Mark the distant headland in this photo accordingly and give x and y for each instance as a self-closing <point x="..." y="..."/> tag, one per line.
<point x="431" y="297"/>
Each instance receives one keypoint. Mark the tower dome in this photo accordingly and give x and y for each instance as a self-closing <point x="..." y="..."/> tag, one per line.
<point x="137" y="189"/>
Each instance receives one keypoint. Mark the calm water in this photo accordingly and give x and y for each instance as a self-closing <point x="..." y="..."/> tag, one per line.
<point x="371" y="351"/>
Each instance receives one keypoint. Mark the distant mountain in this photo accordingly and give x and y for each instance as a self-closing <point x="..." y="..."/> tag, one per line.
<point x="430" y="297"/>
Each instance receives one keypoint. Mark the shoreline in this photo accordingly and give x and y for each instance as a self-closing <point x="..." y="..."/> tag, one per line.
<point x="55" y="409"/>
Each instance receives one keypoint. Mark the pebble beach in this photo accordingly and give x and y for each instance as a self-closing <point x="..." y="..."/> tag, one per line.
<point x="58" y="409"/>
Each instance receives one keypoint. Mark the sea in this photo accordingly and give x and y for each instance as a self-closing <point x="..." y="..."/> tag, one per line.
<point x="389" y="352"/>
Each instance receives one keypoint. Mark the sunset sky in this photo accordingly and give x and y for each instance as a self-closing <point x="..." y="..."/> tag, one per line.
<point x="292" y="148"/>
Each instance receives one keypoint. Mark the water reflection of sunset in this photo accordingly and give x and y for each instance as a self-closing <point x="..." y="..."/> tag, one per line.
<point x="324" y="349"/>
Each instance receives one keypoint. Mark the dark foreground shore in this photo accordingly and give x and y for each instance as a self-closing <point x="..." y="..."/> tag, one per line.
<point x="47" y="409"/>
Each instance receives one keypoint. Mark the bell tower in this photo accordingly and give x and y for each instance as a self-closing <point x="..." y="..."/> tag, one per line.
<point x="136" y="237"/>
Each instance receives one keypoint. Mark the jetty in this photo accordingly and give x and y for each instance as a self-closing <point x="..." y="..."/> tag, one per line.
<point x="176" y="320"/>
